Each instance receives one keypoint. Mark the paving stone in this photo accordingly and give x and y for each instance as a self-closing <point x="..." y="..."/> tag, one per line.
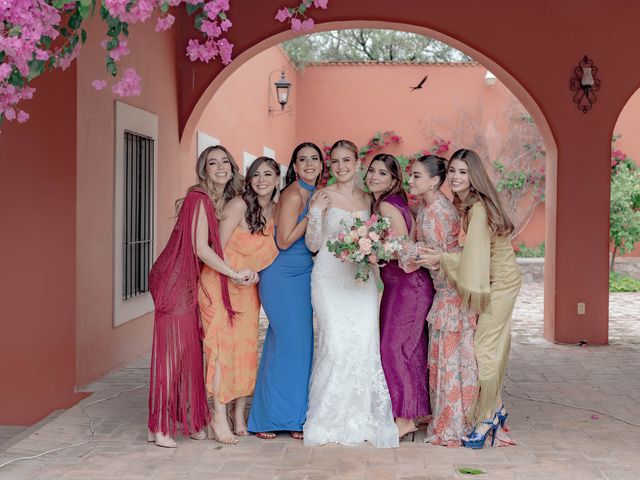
<point x="555" y="441"/>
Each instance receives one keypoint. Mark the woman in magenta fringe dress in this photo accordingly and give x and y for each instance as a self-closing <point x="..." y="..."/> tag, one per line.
<point x="177" y="391"/>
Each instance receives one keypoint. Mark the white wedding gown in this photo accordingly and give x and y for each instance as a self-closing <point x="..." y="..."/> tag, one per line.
<point x="349" y="400"/>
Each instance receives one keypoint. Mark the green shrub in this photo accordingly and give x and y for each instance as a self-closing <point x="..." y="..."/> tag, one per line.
<point x="623" y="283"/>
<point x="522" y="251"/>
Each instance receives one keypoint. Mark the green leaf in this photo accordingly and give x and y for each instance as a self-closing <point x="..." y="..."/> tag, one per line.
<point x="86" y="3"/>
<point x="470" y="471"/>
<point x="58" y="4"/>
<point x="113" y="43"/>
<point x="191" y="9"/>
<point x="16" y="79"/>
<point x="114" y="30"/>
<point x="2" y="55"/>
<point x="36" y="67"/>
<point x="83" y="35"/>
<point x="75" y="21"/>
<point x="14" y="31"/>
<point x="164" y="8"/>
<point x="111" y="66"/>
<point x="84" y="10"/>
<point x="46" y="43"/>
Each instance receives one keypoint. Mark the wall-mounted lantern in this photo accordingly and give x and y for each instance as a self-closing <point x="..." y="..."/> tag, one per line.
<point x="585" y="83"/>
<point x="282" y="89"/>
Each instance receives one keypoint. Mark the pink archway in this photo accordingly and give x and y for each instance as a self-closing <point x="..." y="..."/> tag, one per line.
<point x="503" y="74"/>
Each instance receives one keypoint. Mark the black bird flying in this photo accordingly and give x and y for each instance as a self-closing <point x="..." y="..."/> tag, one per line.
<point x="419" y="86"/>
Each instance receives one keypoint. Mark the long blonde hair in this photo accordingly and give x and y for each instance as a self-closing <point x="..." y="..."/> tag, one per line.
<point x="482" y="190"/>
<point x="232" y="189"/>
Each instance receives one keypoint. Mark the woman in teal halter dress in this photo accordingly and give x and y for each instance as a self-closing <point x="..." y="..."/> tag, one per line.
<point x="280" y="397"/>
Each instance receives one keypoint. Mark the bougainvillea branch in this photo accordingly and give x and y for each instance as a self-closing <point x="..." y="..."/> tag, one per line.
<point x="297" y="16"/>
<point x="41" y="35"/>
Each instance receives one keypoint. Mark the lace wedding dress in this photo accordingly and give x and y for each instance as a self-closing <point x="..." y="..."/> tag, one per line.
<point x="348" y="397"/>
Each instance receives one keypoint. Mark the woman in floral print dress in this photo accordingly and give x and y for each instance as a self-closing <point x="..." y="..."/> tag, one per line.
<point x="453" y="373"/>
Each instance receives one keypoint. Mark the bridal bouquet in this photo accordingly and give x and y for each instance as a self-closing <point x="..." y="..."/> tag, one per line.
<point x="365" y="243"/>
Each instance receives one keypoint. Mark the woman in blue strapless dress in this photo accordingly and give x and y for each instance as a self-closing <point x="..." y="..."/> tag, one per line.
<point x="280" y="398"/>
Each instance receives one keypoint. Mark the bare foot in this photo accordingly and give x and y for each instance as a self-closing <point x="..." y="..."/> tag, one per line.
<point x="239" y="423"/>
<point x="221" y="431"/>
<point x="405" y="426"/>
<point x="297" y="435"/>
<point x="266" y="435"/>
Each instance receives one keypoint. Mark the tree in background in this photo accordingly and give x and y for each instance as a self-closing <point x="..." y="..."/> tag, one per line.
<point x="511" y="146"/>
<point x="370" y="45"/>
<point x="624" y="223"/>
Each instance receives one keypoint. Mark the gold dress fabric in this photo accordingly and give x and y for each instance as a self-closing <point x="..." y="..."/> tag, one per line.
<point x="235" y="345"/>
<point x="488" y="278"/>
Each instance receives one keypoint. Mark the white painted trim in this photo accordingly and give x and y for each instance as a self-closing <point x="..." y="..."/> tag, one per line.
<point x="247" y="160"/>
<point x="269" y="152"/>
<point x="204" y="141"/>
<point x="138" y="121"/>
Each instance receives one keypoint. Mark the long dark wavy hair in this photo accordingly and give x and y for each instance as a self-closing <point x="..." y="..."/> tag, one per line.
<point x="482" y="190"/>
<point x="395" y="170"/>
<point x="291" y="173"/>
<point x="435" y="166"/>
<point x="253" y="215"/>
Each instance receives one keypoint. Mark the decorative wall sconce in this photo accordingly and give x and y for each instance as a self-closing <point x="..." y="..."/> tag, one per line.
<point x="489" y="78"/>
<point x="585" y="83"/>
<point x="282" y="90"/>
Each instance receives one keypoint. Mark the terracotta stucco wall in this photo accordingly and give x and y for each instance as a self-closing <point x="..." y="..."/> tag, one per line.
<point x="238" y="115"/>
<point x="37" y="245"/>
<point x="100" y="346"/>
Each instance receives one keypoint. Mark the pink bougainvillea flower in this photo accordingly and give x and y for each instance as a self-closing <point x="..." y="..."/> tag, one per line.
<point x="211" y="29"/>
<point x="22" y="116"/>
<point x="283" y="14"/>
<point x="215" y="7"/>
<point x="119" y="51"/>
<point x="128" y="85"/>
<point x="99" y="84"/>
<point x="5" y="71"/>
<point x="10" y="114"/>
<point x="225" y="25"/>
<point x="296" y="24"/>
<point x="307" y="24"/>
<point x="225" y="48"/>
<point x="164" y="22"/>
<point x="65" y="61"/>
<point x="321" y="4"/>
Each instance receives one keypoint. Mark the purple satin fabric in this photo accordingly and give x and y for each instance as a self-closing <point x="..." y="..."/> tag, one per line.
<point x="405" y="304"/>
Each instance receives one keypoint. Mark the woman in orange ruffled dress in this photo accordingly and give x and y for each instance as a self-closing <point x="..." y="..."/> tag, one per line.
<point x="231" y="344"/>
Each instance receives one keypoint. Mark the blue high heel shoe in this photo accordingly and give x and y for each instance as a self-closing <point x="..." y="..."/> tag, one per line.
<point x="477" y="440"/>
<point x="502" y="416"/>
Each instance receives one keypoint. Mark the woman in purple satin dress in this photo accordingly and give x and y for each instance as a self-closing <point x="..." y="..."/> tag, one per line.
<point x="405" y="304"/>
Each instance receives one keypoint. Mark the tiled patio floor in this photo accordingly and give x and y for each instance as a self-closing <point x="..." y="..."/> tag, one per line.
<point x="556" y="442"/>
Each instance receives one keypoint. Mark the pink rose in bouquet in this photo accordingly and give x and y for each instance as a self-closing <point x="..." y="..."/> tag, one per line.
<point x="365" y="242"/>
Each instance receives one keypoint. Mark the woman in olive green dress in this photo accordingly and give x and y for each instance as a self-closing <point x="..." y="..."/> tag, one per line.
<point x="487" y="277"/>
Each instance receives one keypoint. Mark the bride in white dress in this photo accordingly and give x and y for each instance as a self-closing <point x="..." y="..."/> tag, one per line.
<point x="348" y="397"/>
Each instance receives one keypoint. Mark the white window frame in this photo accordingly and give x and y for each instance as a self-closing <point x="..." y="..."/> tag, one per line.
<point x="141" y="122"/>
